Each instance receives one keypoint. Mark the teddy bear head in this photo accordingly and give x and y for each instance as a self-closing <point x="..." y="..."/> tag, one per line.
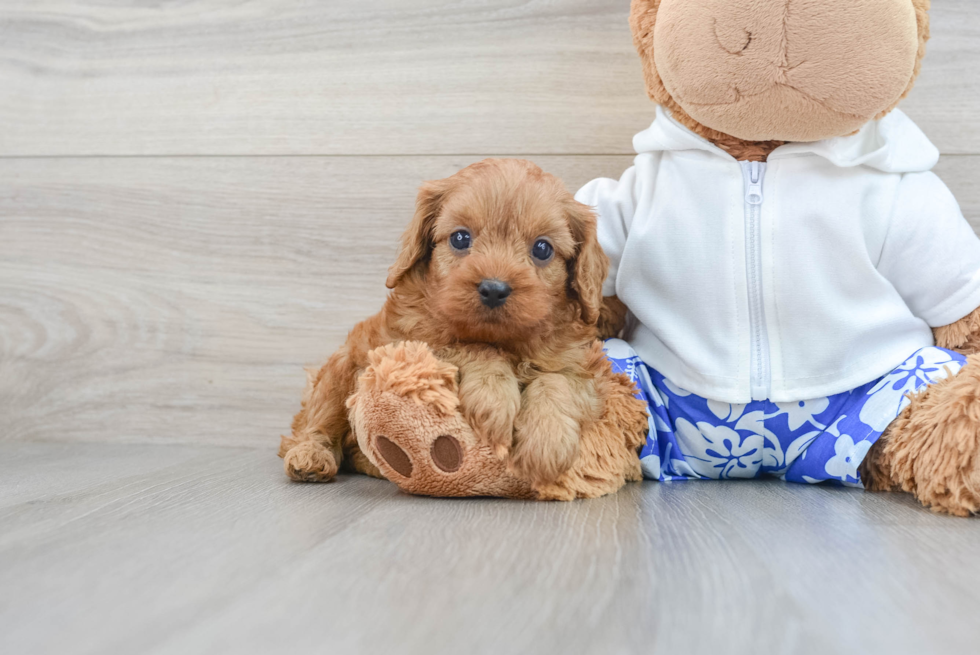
<point x="779" y="70"/>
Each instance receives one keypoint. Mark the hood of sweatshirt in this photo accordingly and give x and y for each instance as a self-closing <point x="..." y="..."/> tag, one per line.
<point x="893" y="144"/>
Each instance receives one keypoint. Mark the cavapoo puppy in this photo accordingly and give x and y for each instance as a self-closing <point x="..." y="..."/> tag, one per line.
<point x="482" y="373"/>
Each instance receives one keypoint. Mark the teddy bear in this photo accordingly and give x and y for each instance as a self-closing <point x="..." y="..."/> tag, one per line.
<point x="803" y="290"/>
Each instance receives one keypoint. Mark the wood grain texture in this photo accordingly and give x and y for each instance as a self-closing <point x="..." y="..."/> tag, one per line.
<point x="177" y="299"/>
<point x="184" y="549"/>
<point x="368" y="77"/>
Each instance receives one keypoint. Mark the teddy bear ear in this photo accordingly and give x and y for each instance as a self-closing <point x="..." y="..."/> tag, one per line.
<point x="922" y="22"/>
<point x="643" y="20"/>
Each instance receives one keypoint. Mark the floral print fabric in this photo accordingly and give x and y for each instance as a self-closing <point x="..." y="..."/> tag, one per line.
<point x="811" y="441"/>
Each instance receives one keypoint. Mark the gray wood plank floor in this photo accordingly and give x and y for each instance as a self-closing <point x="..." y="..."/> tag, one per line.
<point x="188" y="549"/>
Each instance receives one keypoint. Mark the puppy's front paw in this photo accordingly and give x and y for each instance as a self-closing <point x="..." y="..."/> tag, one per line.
<point x="490" y="404"/>
<point x="309" y="461"/>
<point x="545" y="444"/>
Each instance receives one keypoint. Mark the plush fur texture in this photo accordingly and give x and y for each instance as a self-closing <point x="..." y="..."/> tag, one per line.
<point x="750" y="75"/>
<point x="410" y="398"/>
<point x="962" y="336"/>
<point x="522" y="385"/>
<point x="933" y="449"/>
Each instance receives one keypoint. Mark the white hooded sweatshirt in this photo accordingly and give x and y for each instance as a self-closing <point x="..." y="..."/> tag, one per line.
<point x="810" y="275"/>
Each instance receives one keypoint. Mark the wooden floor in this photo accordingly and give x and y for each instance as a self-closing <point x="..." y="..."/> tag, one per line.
<point x="109" y="548"/>
<point x="199" y="198"/>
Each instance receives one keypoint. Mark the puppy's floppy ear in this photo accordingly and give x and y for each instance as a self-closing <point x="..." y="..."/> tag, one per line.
<point x="416" y="242"/>
<point x="590" y="266"/>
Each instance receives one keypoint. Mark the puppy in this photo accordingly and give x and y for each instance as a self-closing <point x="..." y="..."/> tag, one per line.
<point x="501" y="274"/>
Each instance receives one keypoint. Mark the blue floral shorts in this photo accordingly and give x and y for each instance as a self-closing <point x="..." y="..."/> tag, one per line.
<point x="818" y="440"/>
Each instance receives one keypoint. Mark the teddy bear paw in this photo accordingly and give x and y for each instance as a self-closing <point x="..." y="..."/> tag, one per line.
<point x="406" y="416"/>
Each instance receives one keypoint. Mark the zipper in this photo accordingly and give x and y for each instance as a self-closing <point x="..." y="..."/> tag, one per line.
<point x="754" y="173"/>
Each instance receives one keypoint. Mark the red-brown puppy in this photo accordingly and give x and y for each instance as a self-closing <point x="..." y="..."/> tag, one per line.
<point x="500" y="273"/>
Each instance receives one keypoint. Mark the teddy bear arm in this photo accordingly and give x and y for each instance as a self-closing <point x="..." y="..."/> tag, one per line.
<point x="963" y="336"/>
<point x="612" y="317"/>
<point x="405" y="413"/>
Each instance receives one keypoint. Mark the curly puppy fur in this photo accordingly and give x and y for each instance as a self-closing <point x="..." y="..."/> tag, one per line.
<point x="527" y="369"/>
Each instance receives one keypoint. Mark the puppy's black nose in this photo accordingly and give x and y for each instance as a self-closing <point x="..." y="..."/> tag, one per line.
<point x="493" y="293"/>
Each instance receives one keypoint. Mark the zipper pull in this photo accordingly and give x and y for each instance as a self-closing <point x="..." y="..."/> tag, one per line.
<point x="753" y="186"/>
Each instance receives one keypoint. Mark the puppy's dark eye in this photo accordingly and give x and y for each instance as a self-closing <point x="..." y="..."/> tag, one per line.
<point x="460" y="240"/>
<point x="542" y="251"/>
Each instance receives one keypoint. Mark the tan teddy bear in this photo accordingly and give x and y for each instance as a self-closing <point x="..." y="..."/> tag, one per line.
<point x="805" y="289"/>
